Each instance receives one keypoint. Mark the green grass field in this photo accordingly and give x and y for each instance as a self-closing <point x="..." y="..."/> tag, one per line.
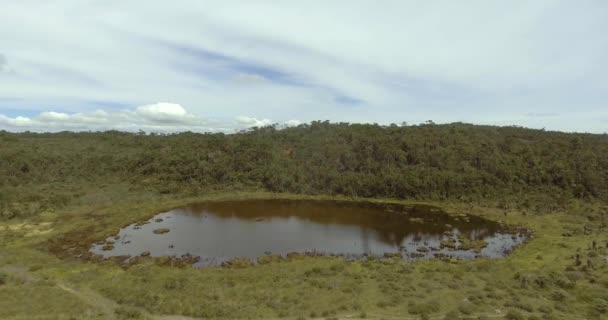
<point x="44" y="274"/>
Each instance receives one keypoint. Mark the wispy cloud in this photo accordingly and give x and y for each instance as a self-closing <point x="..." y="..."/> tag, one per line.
<point x="346" y="100"/>
<point x="220" y="66"/>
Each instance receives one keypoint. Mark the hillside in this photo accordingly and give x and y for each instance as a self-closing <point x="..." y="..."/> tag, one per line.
<point x="510" y="167"/>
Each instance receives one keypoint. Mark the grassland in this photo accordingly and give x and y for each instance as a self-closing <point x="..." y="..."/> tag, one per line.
<point x="562" y="273"/>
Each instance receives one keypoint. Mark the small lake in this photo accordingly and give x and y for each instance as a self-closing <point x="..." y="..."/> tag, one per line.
<point x="219" y="231"/>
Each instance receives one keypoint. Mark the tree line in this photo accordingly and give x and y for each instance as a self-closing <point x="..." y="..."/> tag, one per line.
<point x="512" y="166"/>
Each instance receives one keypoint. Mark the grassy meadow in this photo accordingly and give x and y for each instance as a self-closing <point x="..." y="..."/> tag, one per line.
<point x="542" y="279"/>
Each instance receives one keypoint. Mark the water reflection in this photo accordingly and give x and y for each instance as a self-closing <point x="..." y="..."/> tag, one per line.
<point x="219" y="231"/>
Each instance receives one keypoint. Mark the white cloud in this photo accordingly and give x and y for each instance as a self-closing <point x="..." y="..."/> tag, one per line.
<point x="293" y="123"/>
<point x="15" y="122"/>
<point x="253" y="122"/>
<point x="157" y="117"/>
<point x="164" y="112"/>
<point x="51" y="116"/>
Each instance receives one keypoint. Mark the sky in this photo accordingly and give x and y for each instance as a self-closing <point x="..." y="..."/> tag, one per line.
<point x="207" y="66"/>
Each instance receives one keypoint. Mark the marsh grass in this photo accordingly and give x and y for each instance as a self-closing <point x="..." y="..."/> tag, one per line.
<point x="277" y="287"/>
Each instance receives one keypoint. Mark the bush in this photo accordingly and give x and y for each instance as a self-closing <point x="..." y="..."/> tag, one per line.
<point x="125" y="313"/>
<point x="545" y="309"/>
<point x="520" y="305"/>
<point x="423" y="307"/>
<point x="174" y="283"/>
<point x="559" y="295"/>
<point x="466" y="308"/>
<point x="514" y="315"/>
<point x="452" y="315"/>
<point x="600" y="306"/>
<point x="3" y="279"/>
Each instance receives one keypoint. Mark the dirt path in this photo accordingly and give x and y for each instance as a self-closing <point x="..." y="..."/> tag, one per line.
<point x="93" y="299"/>
<point x="104" y="305"/>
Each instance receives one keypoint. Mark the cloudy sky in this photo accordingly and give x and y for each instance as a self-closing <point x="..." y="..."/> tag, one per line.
<point x="227" y="65"/>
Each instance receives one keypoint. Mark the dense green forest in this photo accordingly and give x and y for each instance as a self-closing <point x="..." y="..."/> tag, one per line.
<point x="509" y="166"/>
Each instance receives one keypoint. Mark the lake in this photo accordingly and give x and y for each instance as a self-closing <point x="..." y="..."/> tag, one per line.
<point x="219" y="231"/>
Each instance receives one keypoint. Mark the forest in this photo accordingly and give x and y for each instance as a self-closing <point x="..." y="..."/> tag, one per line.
<point x="508" y="167"/>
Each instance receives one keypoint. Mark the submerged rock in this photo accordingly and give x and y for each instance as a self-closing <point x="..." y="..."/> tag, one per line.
<point x="237" y="263"/>
<point x="448" y="243"/>
<point x="422" y="249"/>
<point x="475" y="245"/>
<point x="161" y="230"/>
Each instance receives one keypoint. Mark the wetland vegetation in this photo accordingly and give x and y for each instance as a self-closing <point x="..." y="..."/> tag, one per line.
<point x="62" y="192"/>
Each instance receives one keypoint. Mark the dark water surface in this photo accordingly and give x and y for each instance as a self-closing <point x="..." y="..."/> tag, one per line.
<point x="219" y="231"/>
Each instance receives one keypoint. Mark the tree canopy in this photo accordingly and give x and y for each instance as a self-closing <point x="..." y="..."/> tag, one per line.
<point x="463" y="162"/>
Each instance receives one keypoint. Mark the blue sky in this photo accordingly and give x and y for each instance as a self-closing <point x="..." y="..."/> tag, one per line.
<point x="227" y="65"/>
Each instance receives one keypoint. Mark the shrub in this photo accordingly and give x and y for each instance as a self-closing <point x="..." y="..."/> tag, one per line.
<point x="600" y="306"/>
<point x="520" y="305"/>
<point x="174" y="284"/>
<point x="545" y="309"/>
<point x="452" y="315"/>
<point x="423" y="308"/>
<point x="514" y="315"/>
<point x="123" y="312"/>
<point x="558" y="295"/>
<point x="35" y="268"/>
<point x="466" y="308"/>
<point x="564" y="283"/>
